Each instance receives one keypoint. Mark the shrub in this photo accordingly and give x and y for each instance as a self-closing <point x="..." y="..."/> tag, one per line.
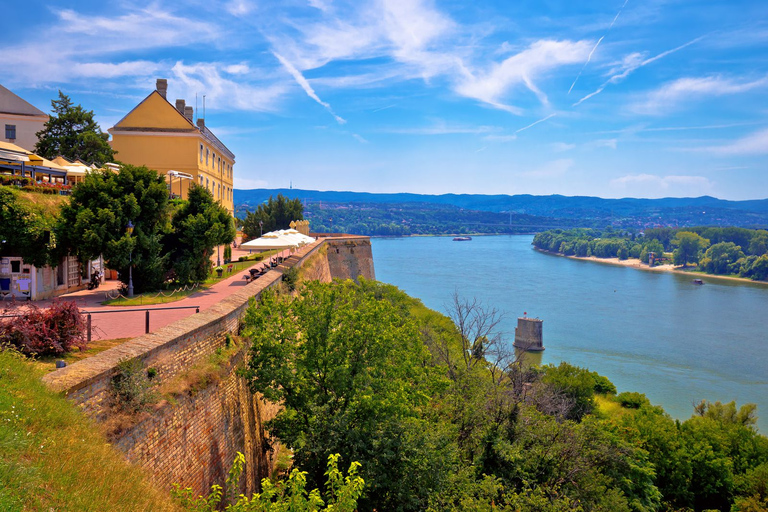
<point x="46" y="332"/>
<point x="132" y="390"/>
<point x="632" y="400"/>
<point x="228" y="253"/>
<point x="291" y="278"/>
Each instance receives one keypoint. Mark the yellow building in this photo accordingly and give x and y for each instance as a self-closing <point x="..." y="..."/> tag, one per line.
<point x="165" y="138"/>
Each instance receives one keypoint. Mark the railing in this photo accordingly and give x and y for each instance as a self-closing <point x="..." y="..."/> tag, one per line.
<point x="146" y="311"/>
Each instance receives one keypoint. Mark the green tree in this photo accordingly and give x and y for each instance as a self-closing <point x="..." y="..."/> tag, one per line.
<point x="199" y="225"/>
<point x="759" y="243"/>
<point x="23" y="232"/>
<point x="719" y="258"/>
<point x="353" y="377"/>
<point x="95" y="221"/>
<point x="72" y="132"/>
<point x="274" y="214"/>
<point x="689" y="247"/>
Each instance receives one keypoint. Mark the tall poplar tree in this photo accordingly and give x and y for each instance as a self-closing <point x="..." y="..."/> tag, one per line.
<point x="72" y="132"/>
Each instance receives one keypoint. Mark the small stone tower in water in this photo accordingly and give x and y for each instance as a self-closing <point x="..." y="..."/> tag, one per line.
<point x="528" y="334"/>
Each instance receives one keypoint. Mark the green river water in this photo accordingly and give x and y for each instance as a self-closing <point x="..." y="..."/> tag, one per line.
<point x="652" y="332"/>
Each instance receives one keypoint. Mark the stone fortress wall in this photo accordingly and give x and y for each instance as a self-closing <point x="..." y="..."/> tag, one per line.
<point x="194" y="440"/>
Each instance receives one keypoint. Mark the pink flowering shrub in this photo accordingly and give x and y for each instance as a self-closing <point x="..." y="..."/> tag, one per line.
<point x="40" y="332"/>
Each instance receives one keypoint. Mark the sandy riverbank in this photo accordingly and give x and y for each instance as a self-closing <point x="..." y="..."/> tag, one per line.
<point x="636" y="263"/>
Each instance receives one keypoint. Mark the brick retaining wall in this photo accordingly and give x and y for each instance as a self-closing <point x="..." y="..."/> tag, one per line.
<point x="193" y="441"/>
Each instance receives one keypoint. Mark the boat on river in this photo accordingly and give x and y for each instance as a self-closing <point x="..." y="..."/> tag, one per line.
<point x="462" y="238"/>
<point x="698" y="281"/>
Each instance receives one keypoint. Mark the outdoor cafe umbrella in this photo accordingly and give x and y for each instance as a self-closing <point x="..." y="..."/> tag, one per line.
<point x="270" y="241"/>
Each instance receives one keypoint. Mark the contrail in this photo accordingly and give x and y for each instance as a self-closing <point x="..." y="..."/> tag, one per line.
<point x="305" y="85"/>
<point x="550" y="116"/>
<point x="589" y="57"/>
<point x="624" y="74"/>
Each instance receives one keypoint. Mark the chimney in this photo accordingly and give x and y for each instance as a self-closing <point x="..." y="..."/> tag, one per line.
<point x="189" y="113"/>
<point x="200" y="123"/>
<point x="162" y="86"/>
<point x="180" y="106"/>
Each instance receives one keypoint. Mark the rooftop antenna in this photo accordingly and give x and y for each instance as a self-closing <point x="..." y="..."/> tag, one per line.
<point x="203" y="106"/>
<point x="195" y="107"/>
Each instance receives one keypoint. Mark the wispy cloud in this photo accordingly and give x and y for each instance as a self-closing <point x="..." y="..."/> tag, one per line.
<point x="671" y="95"/>
<point x="589" y="57"/>
<point x="753" y="144"/>
<point x="560" y="147"/>
<point x="225" y="93"/>
<point x="523" y="68"/>
<point x="359" y="138"/>
<point x="305" y="85"/>
<point x="443" y="128"/>
<point x="631" y="66"/>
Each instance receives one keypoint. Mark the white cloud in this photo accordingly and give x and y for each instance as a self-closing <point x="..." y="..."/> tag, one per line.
<point x="359" y="138"/>
<point x="223" y="93"/>
<point x="523" y="68"/>
<point x="672" y="94"/>
<point x="117" y="69"/>
<point x="442" y="128"/>
<point x="239" y="7"/>
<point x="553" y="169"/>
<point x="560" y="147"/>
<point x="753" y="144"/>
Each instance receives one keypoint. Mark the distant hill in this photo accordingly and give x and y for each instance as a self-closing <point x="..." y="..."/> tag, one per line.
<point x="565" y="210"/>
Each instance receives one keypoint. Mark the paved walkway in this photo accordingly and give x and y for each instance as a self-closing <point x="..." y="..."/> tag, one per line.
<point x="107" y="326"/>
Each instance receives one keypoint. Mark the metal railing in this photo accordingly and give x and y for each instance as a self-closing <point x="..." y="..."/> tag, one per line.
<point x="146" y="311"/>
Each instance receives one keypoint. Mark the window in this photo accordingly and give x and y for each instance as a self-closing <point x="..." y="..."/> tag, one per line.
<point x="201" y="180"/>
<point x="201" y="153"/>
<point x="15" y="266"/>
<point x="10" y="131"/>
<point x="206" y="156"/>
<point x="206" y="182"/>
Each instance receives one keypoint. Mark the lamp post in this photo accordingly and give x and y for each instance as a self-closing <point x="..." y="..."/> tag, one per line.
<point x="129" y="230"/>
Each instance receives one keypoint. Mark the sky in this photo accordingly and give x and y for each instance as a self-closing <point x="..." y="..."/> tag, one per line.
<point x="613" y="98"/>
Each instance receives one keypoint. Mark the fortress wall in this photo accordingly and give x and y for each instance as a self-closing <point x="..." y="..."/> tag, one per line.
<point x="193" y="440"/>
<point x="349" y="258"/>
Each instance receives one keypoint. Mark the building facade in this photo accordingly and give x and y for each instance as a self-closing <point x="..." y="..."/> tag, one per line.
<point x="165" y="137"/>
<point x="19" y="120"/>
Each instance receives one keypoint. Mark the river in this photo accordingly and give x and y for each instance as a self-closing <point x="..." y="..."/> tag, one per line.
<point x="652" y="332"/>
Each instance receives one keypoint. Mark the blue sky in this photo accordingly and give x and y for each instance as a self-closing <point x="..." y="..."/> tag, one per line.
<point x="632" y="98"/>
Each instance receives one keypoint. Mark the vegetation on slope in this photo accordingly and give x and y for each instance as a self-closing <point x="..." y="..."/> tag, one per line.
<point x="53" y="458"/>
<point x="441" y="417"/>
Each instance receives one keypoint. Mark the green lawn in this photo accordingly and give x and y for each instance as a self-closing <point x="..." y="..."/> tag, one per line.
<point x="54" y="458"/>
<point x="147" y="299"/>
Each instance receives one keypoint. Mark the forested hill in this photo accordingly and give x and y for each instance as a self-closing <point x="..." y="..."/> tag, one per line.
<point x="589" y="211"/>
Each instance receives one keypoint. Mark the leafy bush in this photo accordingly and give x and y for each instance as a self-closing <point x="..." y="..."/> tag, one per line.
<point x="131" y="387"/>
<point x="46" y="332"/>
<point x="632" y="400"/>
<point x="291" y="278"/>
<point x="343" y="492"/>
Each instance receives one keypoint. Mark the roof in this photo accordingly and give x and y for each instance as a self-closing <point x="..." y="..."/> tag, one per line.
<point x="10" y="103"/>
<point x="204" y="130"/>
<point x="34" y="160"/>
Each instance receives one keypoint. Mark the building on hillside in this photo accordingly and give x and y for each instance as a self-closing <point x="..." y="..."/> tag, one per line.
<point x="165" y="137"/>
<point x="19" y="120"/>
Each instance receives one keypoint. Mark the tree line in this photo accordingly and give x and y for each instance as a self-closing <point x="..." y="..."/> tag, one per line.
<point x="715" y="250"/>
<point x="441" y="416"/>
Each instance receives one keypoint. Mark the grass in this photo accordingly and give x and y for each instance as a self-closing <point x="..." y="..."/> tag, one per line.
<point x="54" y="458"/>
<point x="150" y="298"/>
<point x="47" y="204"/>
<point x="203" y="374"/>
<point x="48" y="363"/>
